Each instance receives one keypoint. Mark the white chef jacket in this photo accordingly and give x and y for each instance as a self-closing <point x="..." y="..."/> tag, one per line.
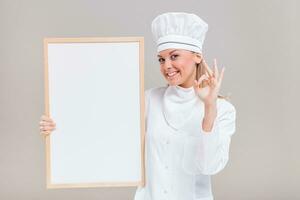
<point x="179" y="155"/>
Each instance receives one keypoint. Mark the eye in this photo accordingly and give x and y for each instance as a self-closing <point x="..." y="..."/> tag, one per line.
<point x="161" y="60"/>
<point x="174" y="56"/>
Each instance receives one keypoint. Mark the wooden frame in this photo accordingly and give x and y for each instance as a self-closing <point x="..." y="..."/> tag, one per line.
<point x="59" y="140"/>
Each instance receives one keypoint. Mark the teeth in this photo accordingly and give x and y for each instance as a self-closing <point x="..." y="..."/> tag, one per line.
<point x="172" y="74"/>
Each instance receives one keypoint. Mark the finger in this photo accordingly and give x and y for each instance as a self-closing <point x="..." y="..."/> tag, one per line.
<point x="45" y="133"/>
<point x="195" y="85"/>
<point x="42" y="128"/>
<point x="213" y="82"/>
<point x="49" y="122"/>
<point x="47" y="128"/>
<point x="221" y="76"/>
<point x="210" y="72"/>
<point x="209" y="78"/>
<point x="45" y="118"/>
<point x="216" y="71"/>
<point x="45" y="123"/>
<point x="207" y="74"/>
<point x="202" y="78"/>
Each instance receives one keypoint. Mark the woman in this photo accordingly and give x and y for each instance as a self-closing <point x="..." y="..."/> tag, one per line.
<point x="188" y="124"/>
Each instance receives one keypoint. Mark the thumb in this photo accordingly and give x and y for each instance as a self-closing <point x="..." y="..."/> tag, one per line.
<point x="196" y="86"/>
<point x="202" y="78"/>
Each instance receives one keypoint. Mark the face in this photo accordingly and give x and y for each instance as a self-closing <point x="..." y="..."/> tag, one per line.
<point x="178" y="66"/>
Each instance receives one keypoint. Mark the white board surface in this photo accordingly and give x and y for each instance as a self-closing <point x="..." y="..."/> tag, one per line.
<point x="95" y="96"/>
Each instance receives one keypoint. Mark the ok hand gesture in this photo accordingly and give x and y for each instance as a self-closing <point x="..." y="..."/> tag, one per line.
<point x="212" y="82"/>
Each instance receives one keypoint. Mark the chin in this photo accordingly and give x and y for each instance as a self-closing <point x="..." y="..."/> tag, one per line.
<point x="173" y="83"/>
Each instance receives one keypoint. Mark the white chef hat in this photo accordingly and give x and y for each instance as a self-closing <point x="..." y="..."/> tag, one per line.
<point x="179" y="30"/>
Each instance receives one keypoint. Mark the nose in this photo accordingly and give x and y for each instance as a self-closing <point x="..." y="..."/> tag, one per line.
<point x="167" y="64"/>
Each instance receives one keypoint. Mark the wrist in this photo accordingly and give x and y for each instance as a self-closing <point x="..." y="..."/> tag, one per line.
<point x="210" y="103"/>
<point x="209" y="118"/>
<point x="210" y="107"/>
<point x="210" y="111"/>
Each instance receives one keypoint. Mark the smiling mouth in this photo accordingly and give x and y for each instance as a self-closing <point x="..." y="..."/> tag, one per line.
<point x="172" y="74"/>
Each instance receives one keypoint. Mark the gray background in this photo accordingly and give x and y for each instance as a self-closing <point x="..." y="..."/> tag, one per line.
<point x="255" y="40"/>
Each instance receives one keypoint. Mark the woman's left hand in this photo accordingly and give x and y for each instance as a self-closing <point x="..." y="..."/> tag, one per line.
<point x="212" y="82"/>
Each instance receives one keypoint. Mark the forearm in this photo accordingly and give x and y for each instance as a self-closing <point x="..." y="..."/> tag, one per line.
<point x="210" y="115"/>
<point x="208" y="152"/>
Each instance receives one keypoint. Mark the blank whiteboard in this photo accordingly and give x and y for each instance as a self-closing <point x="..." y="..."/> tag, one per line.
<point x="94" y="91"/>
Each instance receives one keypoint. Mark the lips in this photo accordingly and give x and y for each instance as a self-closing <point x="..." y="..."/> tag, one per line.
<point x="172" y="74"/>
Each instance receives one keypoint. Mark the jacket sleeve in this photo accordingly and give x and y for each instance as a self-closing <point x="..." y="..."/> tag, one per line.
<point x="208" y="152"/>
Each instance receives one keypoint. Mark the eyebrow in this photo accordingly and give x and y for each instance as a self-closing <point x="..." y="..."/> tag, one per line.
<point x="169" y="53"/>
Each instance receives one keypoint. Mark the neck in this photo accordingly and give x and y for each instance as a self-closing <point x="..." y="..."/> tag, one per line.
<point x="186" y="85"/>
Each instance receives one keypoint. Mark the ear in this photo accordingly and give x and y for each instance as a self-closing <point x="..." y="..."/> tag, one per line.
<point x="198" y="57"/>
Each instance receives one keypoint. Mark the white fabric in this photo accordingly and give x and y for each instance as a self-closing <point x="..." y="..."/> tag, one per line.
<point x="179" y="160"/>
<point x="179" y="105"/>
<point x="179" y="30"/>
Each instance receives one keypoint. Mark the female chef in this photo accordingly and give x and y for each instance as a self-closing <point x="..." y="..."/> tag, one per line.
<point x="188" y="124"/>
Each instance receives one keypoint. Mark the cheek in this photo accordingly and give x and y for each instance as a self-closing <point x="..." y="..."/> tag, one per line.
<point x="161" y="70"/>
<point x="190" y="62"/>
<point x="187" y="67"/>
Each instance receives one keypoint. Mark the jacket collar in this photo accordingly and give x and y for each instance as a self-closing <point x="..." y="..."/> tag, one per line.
<point x="179" y="105"/>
